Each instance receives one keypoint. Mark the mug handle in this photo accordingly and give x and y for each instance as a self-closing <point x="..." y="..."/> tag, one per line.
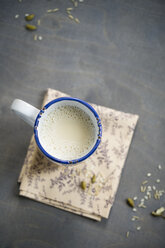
<point x="25" y="111"/>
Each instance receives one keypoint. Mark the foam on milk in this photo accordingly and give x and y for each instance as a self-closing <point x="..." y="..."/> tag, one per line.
<point x="67" y="132"/>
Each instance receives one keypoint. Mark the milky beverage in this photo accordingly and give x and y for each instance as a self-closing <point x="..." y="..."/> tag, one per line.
<point x="67" y="132"/>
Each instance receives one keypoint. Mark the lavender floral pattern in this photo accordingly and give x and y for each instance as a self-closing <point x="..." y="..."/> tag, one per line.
<point x="59" y="186"/>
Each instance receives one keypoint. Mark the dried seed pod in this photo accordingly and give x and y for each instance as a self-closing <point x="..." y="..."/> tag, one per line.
<point x="159" y="212"/>
<point x="29" y="17"/>
<point x="144" y="182"/>
<point x="155" y="214"/>
<point x="35" y="37"/>
<point x="130" y="202"/>
<point x="30" y="27"/>
<point x="55" y="10"/>
<point x="71" y="17"/>
<point x="76" y="20"/>
<point x="75" y="4"/>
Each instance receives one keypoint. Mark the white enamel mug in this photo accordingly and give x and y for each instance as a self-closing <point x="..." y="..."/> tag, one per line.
<point x="33" y="117"/>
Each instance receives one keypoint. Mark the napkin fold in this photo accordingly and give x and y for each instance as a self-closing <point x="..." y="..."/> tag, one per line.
<point x="59" y="186"/>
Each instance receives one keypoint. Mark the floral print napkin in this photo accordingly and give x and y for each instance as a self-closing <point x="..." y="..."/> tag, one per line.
<point x="59" y="186"/>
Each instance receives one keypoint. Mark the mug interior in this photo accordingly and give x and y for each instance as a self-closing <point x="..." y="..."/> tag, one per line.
<point x="67" y="101"/>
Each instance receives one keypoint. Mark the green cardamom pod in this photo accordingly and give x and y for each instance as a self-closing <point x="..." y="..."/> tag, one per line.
<point x="29" y="17"/>
<point x="83" y="185"/>
<point x="93" y="179"/>
<point x="31" y="27"/>
<point x="130" y="202"/>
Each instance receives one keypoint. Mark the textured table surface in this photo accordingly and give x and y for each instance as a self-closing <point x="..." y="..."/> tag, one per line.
<point x="115" y="57"/>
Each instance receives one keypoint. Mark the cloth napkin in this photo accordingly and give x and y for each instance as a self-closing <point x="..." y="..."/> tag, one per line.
<point x="59" y="185"/>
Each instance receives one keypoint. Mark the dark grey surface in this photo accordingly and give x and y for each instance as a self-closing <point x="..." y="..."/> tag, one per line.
<point x="115" y="57"/>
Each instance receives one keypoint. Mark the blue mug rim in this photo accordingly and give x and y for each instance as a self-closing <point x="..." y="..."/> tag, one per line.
<point x="75" y="161"/>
